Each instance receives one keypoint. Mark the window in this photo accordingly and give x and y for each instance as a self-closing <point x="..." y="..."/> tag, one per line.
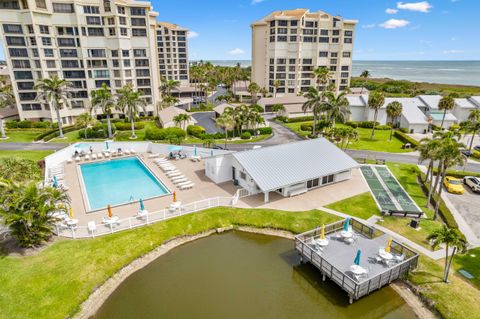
<point x="21" y="64"/>
<point x="122" y="20"/>
<point x="94" y="20"/>
<point x="327" y="179"/>
<point x="125" y="53"/>
<point x="282" y="30"/>
<point x="35" y="52"/>
<point x="111" y="31"/>
<point x="143" y="72"/>
<point x="31" y="107"/>
<point x="96" y="53"/>
<point x="114" y="53"/>
<point x="323" y="39"/>
<point x="307" y="61"/>
<point x="293" y="23"/>
<point x="141" y="62"/>
<point x="137" y="11"/>
<point x="68" y="53"/>
<point x="347" y="40"/>
<point x="121" y="10"/>
<point x="293" y="38"/>
<point x="66" y="42"/>
<point x="283" y="23"/>
<point x="143" y="82"/>
<point x="323" y="54"/>
<point x="335" y="40"/>
<point x="101" y="74"/>
<point x="126" y="63"/>
<point x="345" y="68"/>
<point x="91" y="9"/>
<point x="123" y="32"/>
<point x="309" y="39"/>
<point x="22" y="75"/>
<point x="323" y="32"/>
<point x="334" y="54"/>
<point x="344" y="75"/>
<point x="139" y="32"/>
<point x="44" y="29"/>
<point x="139" y="52"/>
<point x="46" y="41"/>
<point x="51" y="64"/>
<point x="346" y="54"/>
<point x="291" y="61"/>
<point x="95" y="32"/>
<point x="243" y="175"/>
<point x="48" y="53"/>
<point x="16" y="41"/>
<point x="348" y="33"/>
<point x="308" y="31"/>
<point x="40" y="4"/>
<point x="74" y="74"/>
<point x="282" y="38"/>
<point x="30" y="29"/>
<point x="313" y="183"/>
<point x="72" y="64"/>
<point x="63" y="7"/>
<point x="336" y="32"/>
<point x="128" y="73"/>
<point x="138" y="22"/>
<point x="24" y="86"/>
<point x="12" y="28"/>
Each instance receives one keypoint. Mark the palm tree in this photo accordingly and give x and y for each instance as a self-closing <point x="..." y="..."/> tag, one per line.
<point x="472" y="128"/>
<point x="474" y="115"/>
<point x="104" y="100"/>
<point x="182" y="120"/>
<point x="130" y="101"/>
<point x="429" y="150"/>
<point x="279" y="109"/>
<point x="376" y="100"/>
<point x="7" y="99"/>
<point x="322" y="75"/>
<point x="447" y="103"/>
<point x="27" y="211"/>
<point x="55" y="92"/>
<point x="227" y="122"/>
<point x="337" y="107"/>
<point x="394" y="110"/>
<point x="365" y="75"/>
<point x="314" y="102"/>
<point x="85" y="120"/>
<point x="253" y="89"/>
<point x="276" y="85"/>
<point x="450" y="238"/>
<point x="169" y="100"/>
<point x="168" y="85"/>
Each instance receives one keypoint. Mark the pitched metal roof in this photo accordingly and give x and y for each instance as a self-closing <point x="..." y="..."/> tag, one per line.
<point x="286" y="164"/>
<point x="410" y="112"/>
<point x="431" y="100"/>
<point x="464" y="104"/>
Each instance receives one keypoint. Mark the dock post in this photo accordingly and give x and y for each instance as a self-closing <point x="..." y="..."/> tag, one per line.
<point x="324" y="277"/>
<point x="350" y="299"/>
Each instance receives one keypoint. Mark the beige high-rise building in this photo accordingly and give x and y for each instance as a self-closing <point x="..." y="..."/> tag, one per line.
<point x="87" y="42"/>
<point x="288" y="45"/>
<point x="172" y="52"/>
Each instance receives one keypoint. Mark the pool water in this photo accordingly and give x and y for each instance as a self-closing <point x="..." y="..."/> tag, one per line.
<point x="119" y="181"/>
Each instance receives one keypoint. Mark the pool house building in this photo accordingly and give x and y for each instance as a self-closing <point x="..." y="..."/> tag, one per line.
<point x="287" y="169"/>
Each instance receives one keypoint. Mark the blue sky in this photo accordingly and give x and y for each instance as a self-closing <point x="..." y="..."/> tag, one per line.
<point x="410" y="30"/>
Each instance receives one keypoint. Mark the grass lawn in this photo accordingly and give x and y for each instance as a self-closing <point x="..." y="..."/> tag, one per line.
<point x="22" y="135"/>
<point x="54" y="282"/>
<point x="31" y="155"/>
<point x="470" y="262"/>
<point x="296" y="127"/>
<point x="361" y="206"/>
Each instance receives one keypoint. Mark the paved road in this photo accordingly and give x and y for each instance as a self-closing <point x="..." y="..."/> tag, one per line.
<point x="281" y="135"/>
<point x="205" y="119"/>
<point x="32" y="146"/>
<point x="467" y="205"/>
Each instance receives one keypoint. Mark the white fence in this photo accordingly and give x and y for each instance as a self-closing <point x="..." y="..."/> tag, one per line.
<point x="136" y="221"/>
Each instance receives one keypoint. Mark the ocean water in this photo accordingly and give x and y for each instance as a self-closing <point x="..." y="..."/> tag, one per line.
<point x="448" y="72"/>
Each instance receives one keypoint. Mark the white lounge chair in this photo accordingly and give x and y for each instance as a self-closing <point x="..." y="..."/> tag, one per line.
<point x="161" y="161"/>
<point x="91" y="227"/>
<point x="169" y="169"/>
<point x="87" y="157"/>
<point x="69" y="161"/>
<point x="142" y="213"/>
<point x="99" y="155"/>
<point x="184" y="183"/>
<point x="127" y="152"/>
<point x="132" y="151"/>
<point x="154" y="155"/>
<point x="94" y="157"/>
<point x="77" y="159"/>
<point x="175" y="175"/>
<point x="174" y="178"/>
<point x="167" y="166"/>
<point x="186" y="186"/>
<point x="180" y="181"/>
<point x="173" y="172"/>
<point x="106" y="154"/>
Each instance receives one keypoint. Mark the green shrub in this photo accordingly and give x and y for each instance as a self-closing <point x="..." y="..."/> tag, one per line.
<point x="41" y="124"/>
<point x="160" y="134"/>
<point x="382" y="127"/>
<point x="352" y="124"/>
<point x="55" y="132"/>
<point x="282" y="119"/>
<point x="406" y="139"/>
<point x="403" y="129"/>
<point x="246" y="136"/>
<point x="300" y="119"/>
<point x="307" y="127"/>
<point x="215" y="136"/>
<point x="265" y="130"/>
<point x="366" y="124"/>
<point x="11" y="124"/>
<point x="436" y="128"/>
<point x="25" y="124"/>
<point x="98" y="131"/>
<point x="196" y="130"/>
<point x="454" y="127"/>
<point x="123" y="126"/>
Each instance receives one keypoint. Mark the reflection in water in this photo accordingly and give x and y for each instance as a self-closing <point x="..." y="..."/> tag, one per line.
<point x="239" y="275"/>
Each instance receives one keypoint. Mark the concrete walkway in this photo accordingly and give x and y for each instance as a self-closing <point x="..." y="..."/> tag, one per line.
<point x="15" y="146"/>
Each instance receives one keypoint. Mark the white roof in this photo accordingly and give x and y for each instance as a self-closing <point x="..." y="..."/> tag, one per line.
<point x="287" y="99"/>
<point x="410" y="112"/>
<point x="357" y="100"/>
<point x="221" y="107"/>
<point x="430" y="100"/>
<point x="475" y="100"/>
<point x="286" y="164"/>
<point x="464" y="104"/>
<point x="166" y="115"/>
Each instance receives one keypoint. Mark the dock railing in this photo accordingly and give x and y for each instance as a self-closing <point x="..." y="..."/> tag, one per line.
<point x="355" y="288"/>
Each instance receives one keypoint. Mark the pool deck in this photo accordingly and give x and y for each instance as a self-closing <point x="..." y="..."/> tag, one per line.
<point x="204" y="188"/>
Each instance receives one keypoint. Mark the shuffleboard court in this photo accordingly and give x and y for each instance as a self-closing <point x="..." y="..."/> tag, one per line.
<point x="388" y="192"/>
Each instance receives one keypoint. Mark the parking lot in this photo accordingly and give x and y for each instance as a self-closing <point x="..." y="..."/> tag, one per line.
<point x="468" y="205"/>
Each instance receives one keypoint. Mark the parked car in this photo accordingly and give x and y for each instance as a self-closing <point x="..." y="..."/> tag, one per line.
<point x="217" y="147"/>
<point x="466" y="153"/>
<point x="453" y="185"/>
<point x="477" y="148"/>
<point x="473" y="183"/>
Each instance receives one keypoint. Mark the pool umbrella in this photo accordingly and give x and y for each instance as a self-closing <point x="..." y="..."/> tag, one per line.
<point x="389" y="244"/>
<point x="109" y="208"/>
<point x="71" y="212"/>
<point x="346" y="225"/>
<point x="195" y="150"/>
<point x="174" y="196"/>
<point x="106" y="145"/>
<point x="55" y="182"/>
<point x="357" y="258"/>
<point x="142" y="207"/>
<point x="322" y="234"/>
<point x="211" y="153"/>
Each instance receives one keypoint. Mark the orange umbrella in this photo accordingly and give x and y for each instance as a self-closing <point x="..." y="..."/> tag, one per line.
<point x="109" y="208"/>
<point x="174" y="196"/>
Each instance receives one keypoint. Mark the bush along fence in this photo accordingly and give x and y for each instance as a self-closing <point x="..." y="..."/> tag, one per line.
<point x="51" y="134"/>
<point x="406" y="139"/>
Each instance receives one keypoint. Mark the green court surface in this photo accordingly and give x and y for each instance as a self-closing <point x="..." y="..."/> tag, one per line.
<point x="383" y="192"/>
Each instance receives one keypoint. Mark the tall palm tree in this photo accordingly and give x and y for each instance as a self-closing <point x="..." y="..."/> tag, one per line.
<point x="279" y="109"/>
<point x="447" y="103"/>
<point x="364" y="75"/>
<point x="474" y="115"/>
<point x="104" y="100"/>
<point x="182" y="120"/>
<point x="85" y="120"/>
<point x="314" y="102"/>
<point x="7" y="99"/>
<point x="276" y="85"/>
<point x="394" y="110"/>
<point x="130" y="101"/>
<point x="376" y="99"/>
<point x="472" y="128"/>
<point x="168" y="85"/>
<point x="55" y="92"/>
<point x="429" y="150"/>
<point x="253" y="89"/>
<point x="337" y="107"/>
<point x="322" y="76"/>
<point x="450" y="238"/>
<point x="227" y="122"/>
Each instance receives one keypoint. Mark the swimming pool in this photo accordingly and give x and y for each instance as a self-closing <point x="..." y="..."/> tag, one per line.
<point x="119" y="181"/>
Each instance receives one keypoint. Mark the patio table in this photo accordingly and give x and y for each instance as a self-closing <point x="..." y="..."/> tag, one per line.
<point x="384" y="255"/>
<point x="357" y="270"/>
<point x="346" y="234"/>
<point x="71" y="222"/>
<point x="322" y="242"/>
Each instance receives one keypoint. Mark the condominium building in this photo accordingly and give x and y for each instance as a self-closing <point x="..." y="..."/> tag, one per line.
<point x="288" y="45"/>
<point x="87" y="42"/>
<point x="172" y="52"/>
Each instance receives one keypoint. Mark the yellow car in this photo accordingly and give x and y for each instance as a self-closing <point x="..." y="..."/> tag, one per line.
<point x="453" y="185"/>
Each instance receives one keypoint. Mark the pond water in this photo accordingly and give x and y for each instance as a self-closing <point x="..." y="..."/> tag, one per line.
<point x="240" y="275"/>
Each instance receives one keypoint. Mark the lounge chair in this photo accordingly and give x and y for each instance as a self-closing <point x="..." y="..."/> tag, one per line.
<point x="91" y="227"/>
<point x="127" y="152"/>
<point x="181" y="181"/>
<point x="132" y="151"/>
<point x="106" y="154"/>
<point x="174" y="175"/>
<point x="69" y="161"/>
<point x="94" y="157"/>
<point x="176" y="178"/>
<point x="100" y="155"/>
<point x="186" y="186"/>
<point x="184" y="183"/>
<point x="168" y="169"/>
<point x="155" y="155"/>
<point x="87" y="157"/>
<point x="77" y="159"/>
<point x="166" y="165"/>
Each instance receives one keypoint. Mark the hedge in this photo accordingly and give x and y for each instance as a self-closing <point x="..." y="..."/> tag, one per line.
<point x="217" y="136"/>
<point x="160" y="134"/>
<point x="246" y="136"/>
<point x="26" y="124"/>
<point x="123" y="126"/>
<point x="406" y="139"/>
<point x="443" y="210"/>
<point x="196" y="130"/>
<point x="98" y="131"/>
<point x="365" y="124"/>
<point x="458" y="174"/>
<point x="51" y="134"/>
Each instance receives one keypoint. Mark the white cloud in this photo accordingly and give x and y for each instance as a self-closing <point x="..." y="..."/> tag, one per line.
<point x="422" y="6"/>
<point x="192" y="34"/>
<point x="395" y="24"/>
<point x="391" y="11"/>
<point x="254" y="2"/>
<point x="453" y="51"/>
<point x="236" y="51"/>
<point x="368" y="26"/>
